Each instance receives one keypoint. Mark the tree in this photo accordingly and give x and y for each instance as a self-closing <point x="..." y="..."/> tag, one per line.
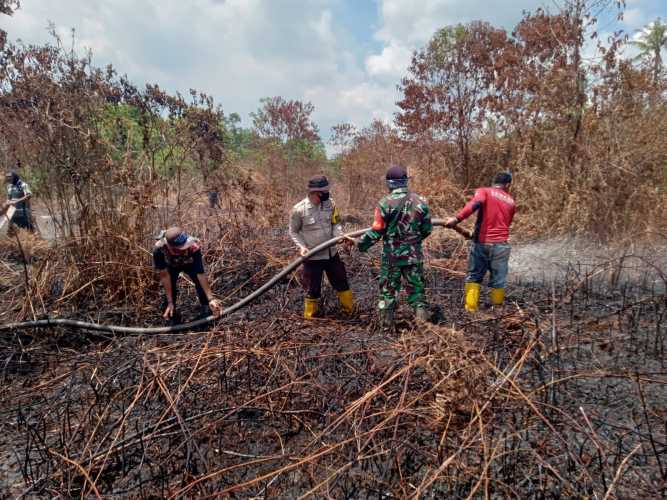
<point x="650" y="42"/>
<point x="286" y="121"/>
<point x="343" y="136"/>
<point x="451" y="86"/>
<point x="549" y="80"/>
<point x="288" y="132"/>
<point x="7" y="7"/>
<point x="236" y="138"/>
<point x="363" y="157"/>
<point x="550" y="86"/>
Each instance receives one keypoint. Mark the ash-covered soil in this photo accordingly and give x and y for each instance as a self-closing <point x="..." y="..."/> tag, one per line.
<point x="559" y="394"/>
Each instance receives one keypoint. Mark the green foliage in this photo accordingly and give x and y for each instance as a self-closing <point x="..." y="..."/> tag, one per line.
<point x="309" y="150"/>
<point x="650" y="42"/>
<point x="120" y="126"/>
<point x="237" y="140"/>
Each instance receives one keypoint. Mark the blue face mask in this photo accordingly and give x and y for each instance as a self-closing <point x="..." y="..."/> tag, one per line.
<point x="396" y="184"/>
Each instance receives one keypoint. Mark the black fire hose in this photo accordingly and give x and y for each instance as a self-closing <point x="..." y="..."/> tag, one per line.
<point x="42" y="323"/>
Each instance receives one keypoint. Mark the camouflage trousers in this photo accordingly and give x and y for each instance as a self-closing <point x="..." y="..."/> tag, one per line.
<point x="390" y="284"/>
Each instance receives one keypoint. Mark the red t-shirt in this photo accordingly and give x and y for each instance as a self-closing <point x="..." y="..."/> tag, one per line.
<point x="495" y="211"/>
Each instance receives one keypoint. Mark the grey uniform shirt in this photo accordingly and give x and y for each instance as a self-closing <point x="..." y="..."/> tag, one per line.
<point x="310" y="225"/>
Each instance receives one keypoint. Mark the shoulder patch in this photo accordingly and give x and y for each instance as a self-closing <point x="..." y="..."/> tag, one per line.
<point x="335" y="216"/>
<point x="378" y="220"/>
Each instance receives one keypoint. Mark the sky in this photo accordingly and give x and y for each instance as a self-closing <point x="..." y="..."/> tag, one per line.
<point x="344" y="56"/>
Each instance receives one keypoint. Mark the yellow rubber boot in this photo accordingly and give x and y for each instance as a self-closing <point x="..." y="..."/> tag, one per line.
<point x="346" y="301"/>
<point x="310" y="308"/>
<point x="471" y="296"/>
<point x="497" y="296"/>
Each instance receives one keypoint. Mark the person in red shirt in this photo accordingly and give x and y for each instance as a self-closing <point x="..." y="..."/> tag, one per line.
<point x="490" y="249"/>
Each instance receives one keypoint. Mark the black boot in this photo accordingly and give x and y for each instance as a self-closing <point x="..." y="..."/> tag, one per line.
<point x="386" y="320"/>
<point x="176" y="319"/>
<point x="204" y="311"/>
<point x="423" y="314"/>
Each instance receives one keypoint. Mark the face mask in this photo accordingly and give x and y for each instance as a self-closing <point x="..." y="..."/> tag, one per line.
<point x="396" y="184"/>
<point x="324" y="196"/>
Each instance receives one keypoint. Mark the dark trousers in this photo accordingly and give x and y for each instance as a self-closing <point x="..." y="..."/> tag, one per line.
<point x="174" y="273"/>
<point x="213" y="199"/>
<point x="312" y="275"/>
<point x="23" y="221"/>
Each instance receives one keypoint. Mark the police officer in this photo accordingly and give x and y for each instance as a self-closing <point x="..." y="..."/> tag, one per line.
<point x="314" y="220"/>
<point x="403" y="221"/>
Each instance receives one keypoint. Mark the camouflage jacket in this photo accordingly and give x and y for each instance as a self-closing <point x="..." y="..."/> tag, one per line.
<point x="402" y="232"/>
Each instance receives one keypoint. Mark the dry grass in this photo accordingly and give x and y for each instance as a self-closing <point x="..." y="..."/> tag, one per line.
<point x="536" y="401"/>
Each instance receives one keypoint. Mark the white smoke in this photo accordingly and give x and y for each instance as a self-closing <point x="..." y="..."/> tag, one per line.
<point x="639" y="263"/>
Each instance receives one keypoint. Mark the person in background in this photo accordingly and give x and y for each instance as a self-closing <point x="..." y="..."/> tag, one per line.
<point x="176" y="253"/>
<point x="213" y="198"/>
<point x="490" y="249"/>
<point x="314" y="220"/>
<point x="403" y="221"/>
<point x="18" y="196"/>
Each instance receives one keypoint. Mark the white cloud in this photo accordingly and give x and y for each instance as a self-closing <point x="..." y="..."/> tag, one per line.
<point x="391" y="62"/>
<point x="323" y="27"/>
<point x="236" y="50"/>
<point x="412" y="25"/>
<point x="242" y="50"/>
<point x="406" y="26"/>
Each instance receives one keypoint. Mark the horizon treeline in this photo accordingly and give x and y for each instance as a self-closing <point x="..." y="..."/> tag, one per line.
<point x="579" y="123"/>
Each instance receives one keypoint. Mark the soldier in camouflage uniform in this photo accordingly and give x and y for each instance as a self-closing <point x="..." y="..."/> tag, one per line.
<point x="403" y="221"/>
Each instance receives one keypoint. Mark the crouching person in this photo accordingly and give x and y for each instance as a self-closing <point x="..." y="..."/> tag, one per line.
<point x="315" y="220"/>
<point x="402" y="220"/>
<point x="176" y="253"/>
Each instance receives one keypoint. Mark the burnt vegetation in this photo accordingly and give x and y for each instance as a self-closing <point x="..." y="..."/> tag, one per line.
<point x="560" y="395"/>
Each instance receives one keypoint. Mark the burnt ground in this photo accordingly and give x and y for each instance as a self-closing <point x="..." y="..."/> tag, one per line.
<point x="560" y="394"/>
